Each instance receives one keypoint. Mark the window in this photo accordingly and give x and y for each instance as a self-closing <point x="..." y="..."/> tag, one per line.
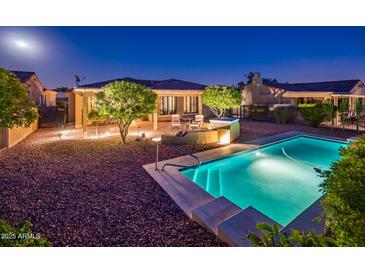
<point x="168" y="105"/>
<point x="191" y="104"/>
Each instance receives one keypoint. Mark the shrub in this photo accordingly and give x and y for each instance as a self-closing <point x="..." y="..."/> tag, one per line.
<point x="330" y="111"/>
<point x="16" y="106"/>
<point x="271" y="237"/>
<point x="313" y="114"/>
<point x="344" y="202"/>
<point x="258" y="112"/>
<point x="285" y="114"/>
<point x="20" y="236"/>
<point x="221" y="98"/>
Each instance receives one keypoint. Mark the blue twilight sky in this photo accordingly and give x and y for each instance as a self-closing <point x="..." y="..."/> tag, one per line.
<point x="207" y="55"/>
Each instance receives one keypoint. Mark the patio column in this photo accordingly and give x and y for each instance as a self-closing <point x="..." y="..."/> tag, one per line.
<point x="200" y="104"/>
<point x="154" y="116"/>
<point x="84" y="114"/>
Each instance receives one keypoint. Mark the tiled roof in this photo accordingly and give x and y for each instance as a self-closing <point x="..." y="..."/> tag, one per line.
<point x="23" y="76"/>
<point x="172" y="84"/>
<point x="344" y="86"/>
<point x="175" y="84"/>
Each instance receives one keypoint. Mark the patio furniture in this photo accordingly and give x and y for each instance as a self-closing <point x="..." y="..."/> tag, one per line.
<point x="175" y="121"/>
<point x="197" y="123"/>
<point x="187" y="118"/>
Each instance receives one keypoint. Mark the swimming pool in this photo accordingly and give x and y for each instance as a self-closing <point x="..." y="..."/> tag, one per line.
<point x="278" y="180"/>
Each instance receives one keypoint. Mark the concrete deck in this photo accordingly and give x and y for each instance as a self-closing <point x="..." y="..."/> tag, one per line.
<point x="229" y="222"/>
<point x="235" y="230"/>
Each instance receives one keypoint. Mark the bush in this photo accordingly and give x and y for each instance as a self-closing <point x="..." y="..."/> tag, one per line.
<point x="271" y="237"/>
<point x="285" y="114"/>
<point x="344" y="200"/>
<point x="313" y="114"/>
<point x="20" y="236"/>
<point x="258" y="112"/>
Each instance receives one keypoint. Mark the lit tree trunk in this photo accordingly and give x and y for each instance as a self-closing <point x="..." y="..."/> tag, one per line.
<point x="123" y="129"/>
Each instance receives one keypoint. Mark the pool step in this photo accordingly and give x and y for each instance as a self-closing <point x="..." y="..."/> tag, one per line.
<point x="214" y="183"/>
<point x="214" y="213"/>
<point x="201" y="178"/>
<point x="234" y="230"/>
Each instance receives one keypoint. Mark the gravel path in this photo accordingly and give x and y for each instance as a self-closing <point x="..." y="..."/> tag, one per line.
<point x="95" y="192"/>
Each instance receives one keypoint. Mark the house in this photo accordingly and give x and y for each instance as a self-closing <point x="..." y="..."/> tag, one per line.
<point x="67" y="96"/>
<point x="49" y="98"/>
<point x="265" y="92"/>
<point x="173" y="97"/>
<point x="35" y="86"/>
<point x="12" y="136"/>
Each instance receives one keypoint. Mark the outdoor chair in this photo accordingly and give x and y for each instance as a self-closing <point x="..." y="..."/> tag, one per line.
<point x="197" y="123"/>
<point x="175" y="121"/>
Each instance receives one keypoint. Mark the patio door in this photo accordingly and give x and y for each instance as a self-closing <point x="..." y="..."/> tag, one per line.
<point x="192" y="104"/>
<point x="168" y="105"/>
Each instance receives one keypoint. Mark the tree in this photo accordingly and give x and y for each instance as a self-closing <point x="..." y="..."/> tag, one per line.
<point x="272" y="237"/>
<point x="250" y="75"/>
<point x="359" y="108"/>
<point x="221" y="98"/>
<point x="16" y="106"/>
<point x="343" y="110"/>
<point x="124" y="102"/>
<point x="313" y="114"/>
<point x="330" y="110"/>
<point x="344" y="199"/>
<point x="62" y="89"/>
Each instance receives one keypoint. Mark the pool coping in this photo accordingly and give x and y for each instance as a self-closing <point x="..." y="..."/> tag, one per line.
<point x="193" y="200"/>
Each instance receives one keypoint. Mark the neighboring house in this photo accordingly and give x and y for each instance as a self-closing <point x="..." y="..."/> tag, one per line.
<point x="12" y="136"/>
<point x="173" y="97"/>
<point x="68" y="96"/>
<point x="35" y="86"/>
<point x="49" y="98"/>
<point x="264" y="92"/>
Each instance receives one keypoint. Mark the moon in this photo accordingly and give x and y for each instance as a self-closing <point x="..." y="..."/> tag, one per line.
<point x="21" y="44"/>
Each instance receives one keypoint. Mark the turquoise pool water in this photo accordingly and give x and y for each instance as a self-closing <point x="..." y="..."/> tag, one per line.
<point x="278" y="179"/>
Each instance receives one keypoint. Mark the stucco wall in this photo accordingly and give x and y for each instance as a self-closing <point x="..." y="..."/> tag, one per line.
<point x="50" y="98"/>
<point x="71" y="106"/>
<point x="78" y="110"/>
<point x="17" y="134"/>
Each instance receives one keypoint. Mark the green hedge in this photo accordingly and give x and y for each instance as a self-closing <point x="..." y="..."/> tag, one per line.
<point x="313" y="114"/>
<point x="258" y="112"/>
<point x="344" y="199"/>
<point x="285" y="114"/>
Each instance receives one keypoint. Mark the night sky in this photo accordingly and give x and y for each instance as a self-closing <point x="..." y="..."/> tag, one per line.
<point x="207" y="55"/>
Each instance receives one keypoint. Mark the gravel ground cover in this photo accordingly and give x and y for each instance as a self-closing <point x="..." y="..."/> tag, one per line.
<point x="95" y="192"/>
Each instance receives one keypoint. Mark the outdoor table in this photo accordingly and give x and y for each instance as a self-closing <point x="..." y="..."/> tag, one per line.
<point x="187" y="121"/>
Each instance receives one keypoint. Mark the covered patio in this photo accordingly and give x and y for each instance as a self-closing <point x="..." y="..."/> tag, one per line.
<point x="173" y="97"/>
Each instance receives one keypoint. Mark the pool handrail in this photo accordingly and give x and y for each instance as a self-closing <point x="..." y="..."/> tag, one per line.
<point x="178" y="149"/>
